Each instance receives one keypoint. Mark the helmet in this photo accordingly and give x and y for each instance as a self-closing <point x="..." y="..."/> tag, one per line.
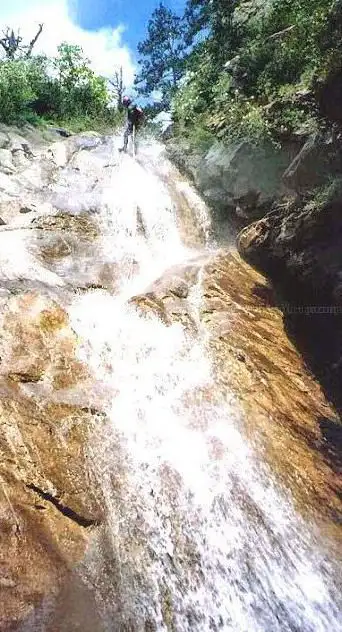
<point x="126" y="100"/>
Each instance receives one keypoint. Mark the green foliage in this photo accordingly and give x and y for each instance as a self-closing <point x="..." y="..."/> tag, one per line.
<point x="16" y="91"/>
<point x="326" y="194"/>
<point x="162" y="54"/>
<point x="216" y="18"/>
<point x="61" y="89"/>
<point x="254" y="66"/>
<point x="200" y="137"/>
<point x="81" y="91"/>
<point x="243" y="119"/>
<point x="110" y="120"/>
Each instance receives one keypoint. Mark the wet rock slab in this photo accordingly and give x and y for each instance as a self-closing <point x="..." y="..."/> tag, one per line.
<point x="49" y="510"/>
<point x="47" y="507"/>
<point x="282" y="405"/>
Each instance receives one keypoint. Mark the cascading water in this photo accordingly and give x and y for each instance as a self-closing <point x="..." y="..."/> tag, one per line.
<point x="197" y="536"/>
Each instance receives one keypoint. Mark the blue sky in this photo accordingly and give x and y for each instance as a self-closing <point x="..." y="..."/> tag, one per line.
<point x="107" y="30"/>
<point x="133" y="14"/>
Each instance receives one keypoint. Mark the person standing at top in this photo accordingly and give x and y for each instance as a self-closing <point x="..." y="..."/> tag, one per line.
<point x="134" y="120"/>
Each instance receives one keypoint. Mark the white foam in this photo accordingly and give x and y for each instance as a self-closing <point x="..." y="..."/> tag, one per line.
<point x="198" y="528"/>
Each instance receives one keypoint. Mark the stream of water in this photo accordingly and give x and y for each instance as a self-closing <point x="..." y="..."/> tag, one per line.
<point x="198" y="537"/>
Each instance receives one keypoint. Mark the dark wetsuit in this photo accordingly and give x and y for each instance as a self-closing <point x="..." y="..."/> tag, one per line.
<point x="134" y="116"/>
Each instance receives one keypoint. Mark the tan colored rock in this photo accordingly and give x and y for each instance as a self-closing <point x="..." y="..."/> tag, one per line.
<point x="283" y="403"/>
<point x="81" y="224"/>
<point x="38" y="344"/>
<point x="253" y="358"/>
<point x="54" y="246"/>
<point x="167" y="297"/>
<point x="46" y="507"/>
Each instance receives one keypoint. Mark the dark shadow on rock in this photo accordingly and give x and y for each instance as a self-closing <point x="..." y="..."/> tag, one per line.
<point x="318" y="337"/>
<point x="61" y="131"/>
<point x="298" y="248"/>
<point x="332" y="437"/>
<point x="314" y="326"/>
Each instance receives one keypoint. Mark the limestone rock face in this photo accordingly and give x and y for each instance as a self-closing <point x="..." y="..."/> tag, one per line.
<point x="65" y="488"/>
<point x="249" y="177"/>
<point x="319" y="159"/>
<point x="6" y="161"/>
<point x="49" y="510"/>
<point x="37" y="344"/>
<point x="46" y="509"/>
<point x="241" y="182"/>
<point x="254" y="358"/>
<point x="301" y="246"/>
<point x="300" y="250"/>
<point x="47" y="505"/>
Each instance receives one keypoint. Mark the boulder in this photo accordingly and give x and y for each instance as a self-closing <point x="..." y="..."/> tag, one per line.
<point x="6" y="162"/>
<point x="250" y="176"/>
<point x="240" y="181"/>
<point x="319" y="159"/>
<point x="300" y="245"/>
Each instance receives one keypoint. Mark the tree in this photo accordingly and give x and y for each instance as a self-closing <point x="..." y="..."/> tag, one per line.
<point x="16" y="92"/>
<point x="81" y="90"/>
<point x="118" y="86"/>
<point x="215" y="18"/>
<point x="71" y="65"/>
<point x="13" y="46"/>
<point x="163" y="54"/>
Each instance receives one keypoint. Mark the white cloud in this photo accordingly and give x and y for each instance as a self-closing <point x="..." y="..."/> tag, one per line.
<point x="104" y="47"/>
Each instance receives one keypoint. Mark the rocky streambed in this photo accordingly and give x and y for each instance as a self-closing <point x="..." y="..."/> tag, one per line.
<point x="168" y="459"/>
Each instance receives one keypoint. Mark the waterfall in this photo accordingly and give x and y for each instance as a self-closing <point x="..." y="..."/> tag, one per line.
<point x="106" y="344"/>
<point x="198" y="536"/>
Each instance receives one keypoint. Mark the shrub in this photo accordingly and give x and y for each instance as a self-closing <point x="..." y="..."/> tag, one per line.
<point x="16" y="91"/>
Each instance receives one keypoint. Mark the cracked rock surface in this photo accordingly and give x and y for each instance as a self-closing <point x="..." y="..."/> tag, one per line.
<point x="49" y="511"/>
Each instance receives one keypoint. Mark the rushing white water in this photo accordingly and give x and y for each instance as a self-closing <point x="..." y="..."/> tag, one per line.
<point x="198" y="537"/>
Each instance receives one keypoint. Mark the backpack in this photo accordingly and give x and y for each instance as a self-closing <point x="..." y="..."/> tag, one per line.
<point x="139" y="114"/>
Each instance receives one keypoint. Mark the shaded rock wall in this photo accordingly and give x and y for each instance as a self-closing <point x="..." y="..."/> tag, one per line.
<point x="240" y="182"/>
<point x="300" y="250"/>
<point x="243" y="182"/>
